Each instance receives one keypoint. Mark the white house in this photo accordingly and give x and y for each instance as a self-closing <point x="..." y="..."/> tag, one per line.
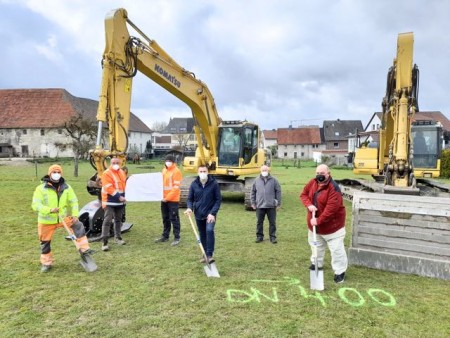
<point x="32" y="122"/>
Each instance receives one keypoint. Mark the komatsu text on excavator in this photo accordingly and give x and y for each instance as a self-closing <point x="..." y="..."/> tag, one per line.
<point x="230" y="149"/>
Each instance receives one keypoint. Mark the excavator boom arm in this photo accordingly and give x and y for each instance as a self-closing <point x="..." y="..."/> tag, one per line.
<point x="123" y="57"/>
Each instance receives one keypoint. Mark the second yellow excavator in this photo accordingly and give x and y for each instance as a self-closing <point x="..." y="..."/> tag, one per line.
<point x="400" y="158"/>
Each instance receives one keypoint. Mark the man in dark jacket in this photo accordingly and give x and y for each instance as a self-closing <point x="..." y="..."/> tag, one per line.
<point x="323" y="198"/>
<point x="266" y="200"/>
<point x="204" y="201"/>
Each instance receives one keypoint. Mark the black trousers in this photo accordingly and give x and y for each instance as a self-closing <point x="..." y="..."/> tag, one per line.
<point x="171" y="217"/>
<point x="111" y="212"/>
<point x="272" y="217"/>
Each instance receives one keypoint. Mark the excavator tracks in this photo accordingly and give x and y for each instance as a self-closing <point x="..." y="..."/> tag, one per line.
<point x="240" y="186"/>
<point x="426" y="187"/>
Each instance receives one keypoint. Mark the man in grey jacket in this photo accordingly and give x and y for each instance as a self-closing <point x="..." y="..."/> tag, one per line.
<point x="266" y="200"/>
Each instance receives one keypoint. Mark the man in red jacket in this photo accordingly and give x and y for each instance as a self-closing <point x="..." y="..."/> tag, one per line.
<point x="322" y="197"/>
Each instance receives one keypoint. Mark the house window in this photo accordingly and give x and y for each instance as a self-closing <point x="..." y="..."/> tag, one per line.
<point x="336" y="144"/>
<point x="336" y="133"/>
<point x="285" y="154"/>
<point x="59" y="131"/>
<point x="24" y="132"/>
<point x="373" y="126"/>
<point x="24" y="151"/>
<point x="303" y="154"/>
<point x="295" y="154"/>
<point x="42" y="132"/>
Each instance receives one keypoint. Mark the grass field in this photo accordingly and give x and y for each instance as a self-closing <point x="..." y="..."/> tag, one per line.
<point x="144" y="289"/>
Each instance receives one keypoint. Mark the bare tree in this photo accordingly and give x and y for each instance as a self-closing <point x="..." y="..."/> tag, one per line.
<point x="159" y="126"/>
<point x="83" y="133"/>
<point x="182" y="139"/>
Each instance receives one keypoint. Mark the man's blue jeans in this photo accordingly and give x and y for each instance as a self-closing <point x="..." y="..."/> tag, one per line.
<point x="206" y="232"/>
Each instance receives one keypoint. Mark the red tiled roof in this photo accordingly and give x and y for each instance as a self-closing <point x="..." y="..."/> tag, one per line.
<point x="298" y="136"/>
<point x="34" y="108"/>
<point x="270" y="134"/>
<point x="49" y="108"/>
<point x="433" y="116"/>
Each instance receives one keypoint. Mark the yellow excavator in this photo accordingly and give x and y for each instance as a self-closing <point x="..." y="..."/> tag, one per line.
<point x="392" y="231"/>
<point x="401" y="146"/>
<point x="230" y="149"/>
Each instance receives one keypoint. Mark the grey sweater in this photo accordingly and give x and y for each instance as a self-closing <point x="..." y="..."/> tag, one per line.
<point x="266" y="192"/>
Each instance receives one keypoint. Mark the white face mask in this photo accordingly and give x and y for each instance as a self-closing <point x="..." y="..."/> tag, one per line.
<point x="55" y="176"/>
<point x="115" y="167"/>
<point x="203" y="176"/>
<point x="264" y="173"/>
<point x="168" y="164"/>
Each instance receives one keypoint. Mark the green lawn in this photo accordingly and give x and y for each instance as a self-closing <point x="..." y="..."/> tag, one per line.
<point x="145" y="289"/>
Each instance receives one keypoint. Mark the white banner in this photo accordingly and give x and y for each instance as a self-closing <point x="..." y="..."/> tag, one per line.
<point x="144" y="188"/>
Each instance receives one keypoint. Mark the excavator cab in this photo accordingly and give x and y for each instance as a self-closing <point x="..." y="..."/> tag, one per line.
<point x="237" y="141"/>
<point x="427" y="141"/>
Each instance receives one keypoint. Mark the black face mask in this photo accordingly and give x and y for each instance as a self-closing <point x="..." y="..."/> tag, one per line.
<point x="320" y="178"/>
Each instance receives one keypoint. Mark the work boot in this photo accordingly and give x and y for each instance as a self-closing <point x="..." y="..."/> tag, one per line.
<point x="259" y="240"/>
<point x="120" y="241"/>
<point x="45" y="268"/>
<point x="105" y="247"/>
<point x="87" y="252"/>
<point x="161" y="239"/>
<point x="175" y="242"/>
<point x="339" y="278"/>
<point x="273" y="241"/>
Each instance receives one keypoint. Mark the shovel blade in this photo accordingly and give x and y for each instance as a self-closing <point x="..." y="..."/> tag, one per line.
<point x="88" y="263"/>
<point x="316" y="280"/>
<point x="211" y="270"/>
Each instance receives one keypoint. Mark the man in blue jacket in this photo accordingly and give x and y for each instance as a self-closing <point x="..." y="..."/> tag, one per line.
<point x="204" y="201"/>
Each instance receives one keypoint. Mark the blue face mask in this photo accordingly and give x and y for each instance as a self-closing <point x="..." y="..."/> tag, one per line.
<point x="320" y="178"/>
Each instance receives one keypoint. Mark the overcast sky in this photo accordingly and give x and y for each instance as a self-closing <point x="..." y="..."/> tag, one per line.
<point x="270" y="62"/>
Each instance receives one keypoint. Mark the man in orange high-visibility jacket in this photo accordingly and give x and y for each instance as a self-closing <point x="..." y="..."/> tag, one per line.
<point x="171" y="197"/>
<point x="113" y="201"/>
